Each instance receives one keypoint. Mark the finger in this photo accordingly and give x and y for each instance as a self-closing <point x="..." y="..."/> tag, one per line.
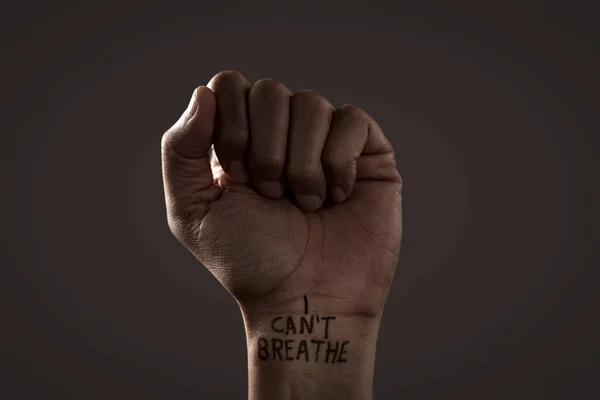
<point x="377" y="161"/>
<point x="231" y="124"/>
<point x="309" y="124"/>
<point x="187" y="174"/>
<point x="269" y="108"/>
<point x="356" y="148"/>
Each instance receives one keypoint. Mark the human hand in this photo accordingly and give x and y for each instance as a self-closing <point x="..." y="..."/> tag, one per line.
<point x="299" y="201"/>
<point x="278" y="231"/>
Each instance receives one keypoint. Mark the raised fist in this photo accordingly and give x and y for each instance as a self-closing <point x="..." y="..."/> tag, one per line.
<point x="299" y="200"/>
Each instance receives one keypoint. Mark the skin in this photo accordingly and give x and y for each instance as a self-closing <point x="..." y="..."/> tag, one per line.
<point x="297" y="199"/>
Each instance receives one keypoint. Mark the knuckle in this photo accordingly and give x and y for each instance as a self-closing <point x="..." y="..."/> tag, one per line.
<point x="352" y="112"/>
<point x="268" y="87"/>
<point x="311" y="99"/>
<point x="227" y="78"/>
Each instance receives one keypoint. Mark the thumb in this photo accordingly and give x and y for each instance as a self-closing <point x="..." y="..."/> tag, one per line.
<point x="187" y="176"/>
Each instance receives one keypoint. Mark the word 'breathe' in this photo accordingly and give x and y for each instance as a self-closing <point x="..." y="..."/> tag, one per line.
<point x="307" y="350"/>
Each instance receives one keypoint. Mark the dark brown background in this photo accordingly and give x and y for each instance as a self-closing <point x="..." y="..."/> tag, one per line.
<point x="492" y="109"/>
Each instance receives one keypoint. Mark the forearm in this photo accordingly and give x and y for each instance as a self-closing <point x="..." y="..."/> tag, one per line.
<point x="310" y="356"/>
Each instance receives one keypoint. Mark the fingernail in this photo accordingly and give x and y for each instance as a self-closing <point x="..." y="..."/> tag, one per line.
<point x="271" y="189"/>
<point x="237" y="172"/>
<point x="309" y="201"/>
<point x="337" y="194"/>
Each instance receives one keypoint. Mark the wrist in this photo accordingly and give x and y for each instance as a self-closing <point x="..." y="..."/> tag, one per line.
<point x="299" y="353"/>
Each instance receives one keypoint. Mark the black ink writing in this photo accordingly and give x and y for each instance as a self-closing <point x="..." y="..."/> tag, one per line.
<point x="318" y="343"/>
<point x="290" y="327"/>
<point x="273" y="325"/>
<point x="304" y="324"/>
<point x="263" y="351"/>
<point x="327" y="319"/>
<point x="277" y="346"/>
<point x="331" y="350"/>
<point x="302" y="350"/>
<point x="298" y="350"/>
<point x="343" y="351"/>
<point x="308" y="349"/>
<point x="288" y="349"/>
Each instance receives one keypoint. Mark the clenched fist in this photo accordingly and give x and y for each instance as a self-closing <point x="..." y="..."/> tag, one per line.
<point x="298" y="201"/>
